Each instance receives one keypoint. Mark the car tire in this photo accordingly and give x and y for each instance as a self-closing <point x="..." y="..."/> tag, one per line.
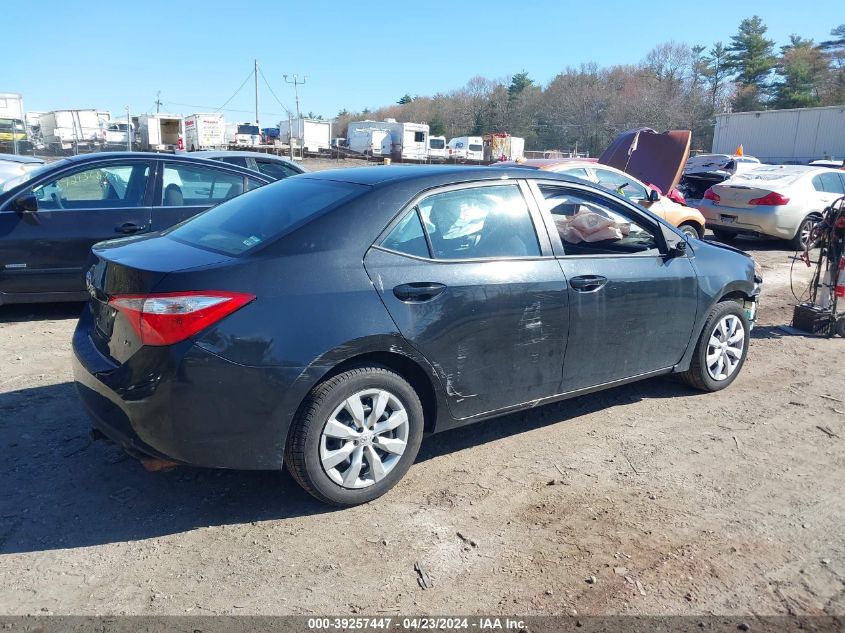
<point x="802" y="235"/>
<point x="722" y="325"/>
<point x="724" y="236"/>
<point x="692" y="230"/>
<point x="331" y="436"/>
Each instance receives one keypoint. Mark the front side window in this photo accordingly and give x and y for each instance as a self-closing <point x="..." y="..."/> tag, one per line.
<point x="591" y="225"/>
<point x="831" y="183"/>
<point x="577" y="172"/>
<point x="189" y="185"/>
<point x="622" y="184"/>
<point x="479" y="222"/>
<point x="111" y="186"/>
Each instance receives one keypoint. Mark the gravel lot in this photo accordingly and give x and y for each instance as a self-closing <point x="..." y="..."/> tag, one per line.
<point x="646" y="499"/>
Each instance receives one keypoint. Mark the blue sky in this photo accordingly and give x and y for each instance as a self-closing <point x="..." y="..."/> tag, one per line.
<point x="107" y="55"/>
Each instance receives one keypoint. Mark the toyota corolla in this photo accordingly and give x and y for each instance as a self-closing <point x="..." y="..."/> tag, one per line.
<point x="327" y="322"/>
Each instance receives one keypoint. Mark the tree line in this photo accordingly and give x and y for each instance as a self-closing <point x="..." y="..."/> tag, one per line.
<point x="677" y="85"/>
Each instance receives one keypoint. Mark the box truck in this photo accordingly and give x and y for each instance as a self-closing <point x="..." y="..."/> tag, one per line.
<point x="13" y="136"/>
<point x="160" y="132"/>
<point x="205" y="131"/>
<point x="502" y="146"/>
<point x="63" y="130"/>
<point x="312" y="135"/>
<point x="370" y="141"/>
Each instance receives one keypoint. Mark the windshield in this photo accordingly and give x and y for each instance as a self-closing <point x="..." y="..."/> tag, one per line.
<point x="437" y="143"/>
<point x="7" y="124"/>
<point x="264" y="214"/>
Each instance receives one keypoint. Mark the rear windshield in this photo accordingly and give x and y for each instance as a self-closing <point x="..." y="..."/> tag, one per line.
<point x="437" y="143"/>
<point x="264" y="214"/>
<point x="248" y="129"/>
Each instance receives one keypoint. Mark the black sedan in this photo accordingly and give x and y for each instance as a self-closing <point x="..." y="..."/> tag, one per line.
<point x="327" y="321"/>
<point x="50" y="218"/>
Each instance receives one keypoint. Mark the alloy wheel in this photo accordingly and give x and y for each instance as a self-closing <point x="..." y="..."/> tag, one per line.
<point x="364" y="438"/>
<point x="725" y="347"/>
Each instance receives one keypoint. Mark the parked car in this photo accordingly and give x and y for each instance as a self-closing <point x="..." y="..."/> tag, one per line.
<point x="705" y="170"/>
<point x="270" y="165"/>
<point x="14" y="166"/>
<point x="782" y="201"/>
<point x="688" y="220"/>
<point x="49" y="220"/>
<point x="325" y="322"/>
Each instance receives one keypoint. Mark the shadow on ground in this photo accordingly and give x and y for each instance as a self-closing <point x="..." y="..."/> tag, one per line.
<point x="60" y="490"/>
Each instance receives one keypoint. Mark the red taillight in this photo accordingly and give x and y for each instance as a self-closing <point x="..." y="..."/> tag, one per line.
<point x="772" y="200"/>
<point x="170" y="317"/>
<point x="839" y="289"/>
<point x="711" y="195"/>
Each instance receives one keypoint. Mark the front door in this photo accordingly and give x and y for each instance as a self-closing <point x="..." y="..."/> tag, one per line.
<point x="47" y="251"/>
<point x="632" y="307"/>
<point x="470" y="285"/>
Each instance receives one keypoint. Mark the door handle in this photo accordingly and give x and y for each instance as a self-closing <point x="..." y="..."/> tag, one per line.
<point x="588" y="283"/>
<point x="129" y="228"/>
<point x="418" y="292"/>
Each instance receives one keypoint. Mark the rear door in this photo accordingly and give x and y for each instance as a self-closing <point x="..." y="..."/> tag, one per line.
<point x="632" y="307"/>
<point x="476" y="289"/>
<point x="47" y="251"/>
<point x="184" y="190"/>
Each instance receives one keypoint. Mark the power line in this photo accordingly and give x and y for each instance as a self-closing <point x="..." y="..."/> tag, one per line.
<point x="212" y="109"/>
<point x="248" y="77"/>
<point x="270" y="88"/>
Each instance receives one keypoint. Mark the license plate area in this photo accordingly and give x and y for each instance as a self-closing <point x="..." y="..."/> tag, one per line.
<point x="727" y="219"/>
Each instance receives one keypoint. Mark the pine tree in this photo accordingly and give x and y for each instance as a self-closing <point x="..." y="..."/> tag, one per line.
<point x="751" y="58"/>
<point x="801" y="67"/>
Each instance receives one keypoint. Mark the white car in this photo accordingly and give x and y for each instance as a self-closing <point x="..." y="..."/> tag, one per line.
<point x="15" y="166"/>
<point x="782" y="201"/>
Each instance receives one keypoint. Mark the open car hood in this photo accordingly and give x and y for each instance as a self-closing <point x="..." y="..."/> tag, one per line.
<point x="653" y="158"/>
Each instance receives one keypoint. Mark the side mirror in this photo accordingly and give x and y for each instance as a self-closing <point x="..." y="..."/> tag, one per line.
<point x="678" y="249"/>
<point x="653" y="196"/>
<point x="26" y="203"/>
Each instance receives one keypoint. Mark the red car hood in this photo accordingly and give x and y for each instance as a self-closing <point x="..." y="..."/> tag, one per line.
<point x="650" y="157"/>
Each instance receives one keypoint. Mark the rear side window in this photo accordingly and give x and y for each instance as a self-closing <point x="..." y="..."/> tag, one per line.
<point x="189" y="185"/>
<point x="408" y="237"/>
<point x="265" y="214"/>
<point x="831" y="183"/>
<point x="275" y="170"/>
<point x="475" y="147"/>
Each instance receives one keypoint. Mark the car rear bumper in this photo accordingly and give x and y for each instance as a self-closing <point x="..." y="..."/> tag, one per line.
<point x="762" y="220"/>
<point x="185" y="404"/>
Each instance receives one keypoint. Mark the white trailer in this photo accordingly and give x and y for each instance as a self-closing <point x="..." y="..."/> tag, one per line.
<point x="409" y="141"/>
<point x="71" y="129"/>
<point x="205" y="131"/>
<point x="160" y="132"/>
<point x="312" y="135"/>
<point x="370" y="141"/>
<point x="798" y="135"/>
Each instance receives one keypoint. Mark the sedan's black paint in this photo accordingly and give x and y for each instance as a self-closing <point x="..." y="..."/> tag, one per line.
<point x="43" y="254"/>
<point x="475" y="338"/>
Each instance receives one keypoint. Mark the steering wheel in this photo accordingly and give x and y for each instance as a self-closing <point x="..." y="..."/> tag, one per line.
<point x="55" y="198"/>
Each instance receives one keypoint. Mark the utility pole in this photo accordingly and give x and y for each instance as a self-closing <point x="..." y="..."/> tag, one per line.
<point x="128" y="131"/>
<point x="255" y="72"/>
<point x="158" y="101"/>
<point x="296" y="84"/>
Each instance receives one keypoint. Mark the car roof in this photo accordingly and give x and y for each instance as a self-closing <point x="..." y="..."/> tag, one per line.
<point x="210" y="153"/>
<point x="182" y="158"/>
<point x="546" y="163"/>
<point x="427" y="175"/>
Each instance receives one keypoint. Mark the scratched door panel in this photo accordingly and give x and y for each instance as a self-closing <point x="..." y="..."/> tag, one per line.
<point x="496" y="334"/>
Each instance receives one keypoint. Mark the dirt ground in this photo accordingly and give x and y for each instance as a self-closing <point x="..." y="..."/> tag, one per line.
<point x="646" y="499"/>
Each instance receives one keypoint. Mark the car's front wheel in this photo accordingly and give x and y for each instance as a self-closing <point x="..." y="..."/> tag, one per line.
<point x="355" y="436"/>
<point x="721" y="349"/>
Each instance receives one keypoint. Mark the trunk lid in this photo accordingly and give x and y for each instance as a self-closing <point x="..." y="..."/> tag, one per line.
<point x="653" y="158"/>
<point x="134" y="266"/>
